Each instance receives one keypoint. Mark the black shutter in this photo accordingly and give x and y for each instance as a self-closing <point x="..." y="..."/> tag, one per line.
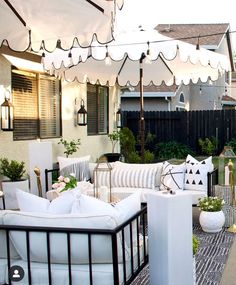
<point x="25" y="102"/>
<point x="49" y="107"/>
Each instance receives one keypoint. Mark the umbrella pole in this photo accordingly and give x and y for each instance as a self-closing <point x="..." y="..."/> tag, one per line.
<point x="142" y="122"/>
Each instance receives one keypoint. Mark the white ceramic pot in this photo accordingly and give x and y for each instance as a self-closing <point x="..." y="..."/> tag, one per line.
<point x="9" y="189"/>
<point x="212" y="222"/>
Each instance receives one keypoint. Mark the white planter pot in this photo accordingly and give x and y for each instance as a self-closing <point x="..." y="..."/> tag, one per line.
<point x="212" y="222"/>
<point x="9" y="189"/>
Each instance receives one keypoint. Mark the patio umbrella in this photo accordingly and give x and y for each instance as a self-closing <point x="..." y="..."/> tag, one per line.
<point x="172" y="61"/>
<point x="40" y="24"/>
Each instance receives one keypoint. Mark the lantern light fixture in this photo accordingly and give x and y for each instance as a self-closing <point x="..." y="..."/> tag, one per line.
<point x="118" y="119"/>
<point x="82" y="115"/>
<point x="7" y="115"/>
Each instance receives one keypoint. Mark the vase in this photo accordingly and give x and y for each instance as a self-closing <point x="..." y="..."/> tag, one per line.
<point x="212" y="222"/>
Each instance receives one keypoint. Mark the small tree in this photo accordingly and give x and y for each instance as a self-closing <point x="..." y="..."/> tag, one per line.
<point x="114" y="138"/>
<point x="70" y="146"/>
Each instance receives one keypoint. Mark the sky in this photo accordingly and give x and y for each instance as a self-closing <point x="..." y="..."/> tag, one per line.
<point x="150" y="13"/>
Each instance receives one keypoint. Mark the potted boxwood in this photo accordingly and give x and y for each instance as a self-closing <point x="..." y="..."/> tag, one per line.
<point x="13" y="178"/>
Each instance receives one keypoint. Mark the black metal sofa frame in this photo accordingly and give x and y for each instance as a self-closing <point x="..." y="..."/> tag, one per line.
<point x="140" y="228"/>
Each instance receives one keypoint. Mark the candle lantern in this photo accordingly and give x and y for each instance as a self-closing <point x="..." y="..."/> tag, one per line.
<point x="226" y="156"/>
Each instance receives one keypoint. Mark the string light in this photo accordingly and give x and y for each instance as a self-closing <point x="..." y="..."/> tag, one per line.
<point x="43" y="58"/>
<point x="148" y="59"/>
<point x="70" y="58"/>
<point x="107" y="59"/>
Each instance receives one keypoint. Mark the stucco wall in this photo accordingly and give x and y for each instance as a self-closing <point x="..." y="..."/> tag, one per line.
<point x="93" y="145"/>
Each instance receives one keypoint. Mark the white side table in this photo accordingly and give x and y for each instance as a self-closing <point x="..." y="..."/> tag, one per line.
<point x="170" y="238"/>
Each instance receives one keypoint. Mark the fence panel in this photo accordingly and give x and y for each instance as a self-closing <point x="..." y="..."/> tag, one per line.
<point x="186" y="127"/>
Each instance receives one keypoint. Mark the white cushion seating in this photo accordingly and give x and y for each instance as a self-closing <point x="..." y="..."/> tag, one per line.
<point x="86" y="213"/>
<point x="127" y="178"/>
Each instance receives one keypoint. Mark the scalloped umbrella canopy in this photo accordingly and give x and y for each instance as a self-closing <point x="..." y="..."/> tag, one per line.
<point x="172" y="61"/>
<point x="35" y="24"/>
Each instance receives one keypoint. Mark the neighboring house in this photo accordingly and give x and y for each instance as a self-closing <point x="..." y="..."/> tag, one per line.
<point x="208" y="96"/>
<point x="45" y="109"/>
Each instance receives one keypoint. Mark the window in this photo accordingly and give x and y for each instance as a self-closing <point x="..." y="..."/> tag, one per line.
<point x="178" y="108"/>
<point x="97" y="108"/>
<point x="181" y="97"/>
<point x="37" y="105"/>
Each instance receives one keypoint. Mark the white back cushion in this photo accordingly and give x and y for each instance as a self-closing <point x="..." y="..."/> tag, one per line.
<point x="66" y="161"/>
<point x="101" y="244"/>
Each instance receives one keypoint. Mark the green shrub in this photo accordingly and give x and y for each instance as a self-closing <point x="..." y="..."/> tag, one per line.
<point x="232" y="143"/>
<point x="172" y="149"/>
<point x="13" y="169"/>
<point x="133" y="157"/>
<point x="148" y="156"/>
<point x="208" y="146"/>
<point x="127" y="143"/>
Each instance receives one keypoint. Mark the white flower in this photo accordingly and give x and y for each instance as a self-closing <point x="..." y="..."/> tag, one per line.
<point x="72" y="174"/>
<point x="66" y="179"/>
<point x="61" y="178"/>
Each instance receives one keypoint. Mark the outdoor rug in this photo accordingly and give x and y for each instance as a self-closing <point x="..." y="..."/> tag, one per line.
<point x="210" y="259"/>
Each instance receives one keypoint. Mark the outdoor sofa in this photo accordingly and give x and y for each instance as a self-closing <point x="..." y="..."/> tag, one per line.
<point x="122" y="179"/>
<point x="74" y="248"/>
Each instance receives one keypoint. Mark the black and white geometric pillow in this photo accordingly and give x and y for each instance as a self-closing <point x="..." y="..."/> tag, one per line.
<point x="195" y="177"/>
<point x="196" y="173"/>
<point x="172" y="176"/>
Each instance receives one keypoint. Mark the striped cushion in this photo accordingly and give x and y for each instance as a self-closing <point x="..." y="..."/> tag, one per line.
<point x="134" y="177"/>
<point x="102" y="178"/>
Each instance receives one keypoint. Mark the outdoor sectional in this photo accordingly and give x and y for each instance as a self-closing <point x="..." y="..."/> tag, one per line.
<point x="72" y="248"/>
<point x="122" y="179"/>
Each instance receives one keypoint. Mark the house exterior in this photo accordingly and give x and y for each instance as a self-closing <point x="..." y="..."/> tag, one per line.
<point x="45" y="110"/>
<point x="201" y="96"/>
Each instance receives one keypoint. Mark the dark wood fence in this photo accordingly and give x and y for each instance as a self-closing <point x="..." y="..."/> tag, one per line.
<point x="186" y="127"/>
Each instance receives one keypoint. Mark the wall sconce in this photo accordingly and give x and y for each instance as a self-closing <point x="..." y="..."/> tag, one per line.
<point x="118" y="119"/>
<point x="7" y="115"/>
<point x="82" y="115"/>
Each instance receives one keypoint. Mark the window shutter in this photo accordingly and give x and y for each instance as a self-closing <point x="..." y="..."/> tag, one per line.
<point x="103" y="116"/>
<point x="97" y="108"/>
<point x="92" y="109"/>
<point x="25" y="102"/>
<point x="49" y="107"/>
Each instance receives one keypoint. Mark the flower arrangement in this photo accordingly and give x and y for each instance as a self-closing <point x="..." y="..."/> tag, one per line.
<point x="211" y="204"/>
<point x="65" y="183"/>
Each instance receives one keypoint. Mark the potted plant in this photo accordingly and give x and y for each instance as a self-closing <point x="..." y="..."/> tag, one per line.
<point x="70" y="146"/>
<point x="114" y="138"/>
<point x="13" y="179"/>
<point x="212" y="217"/>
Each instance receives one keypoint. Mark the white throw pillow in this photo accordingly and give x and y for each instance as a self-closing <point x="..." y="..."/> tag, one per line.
<point x="172" y="176"/>
<point x="90" y="205"/>
<point x="196" y="173"/>
<point x="66" y="161"/>
<point x="128" y="206"/>
<point x="31" y="203"/>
